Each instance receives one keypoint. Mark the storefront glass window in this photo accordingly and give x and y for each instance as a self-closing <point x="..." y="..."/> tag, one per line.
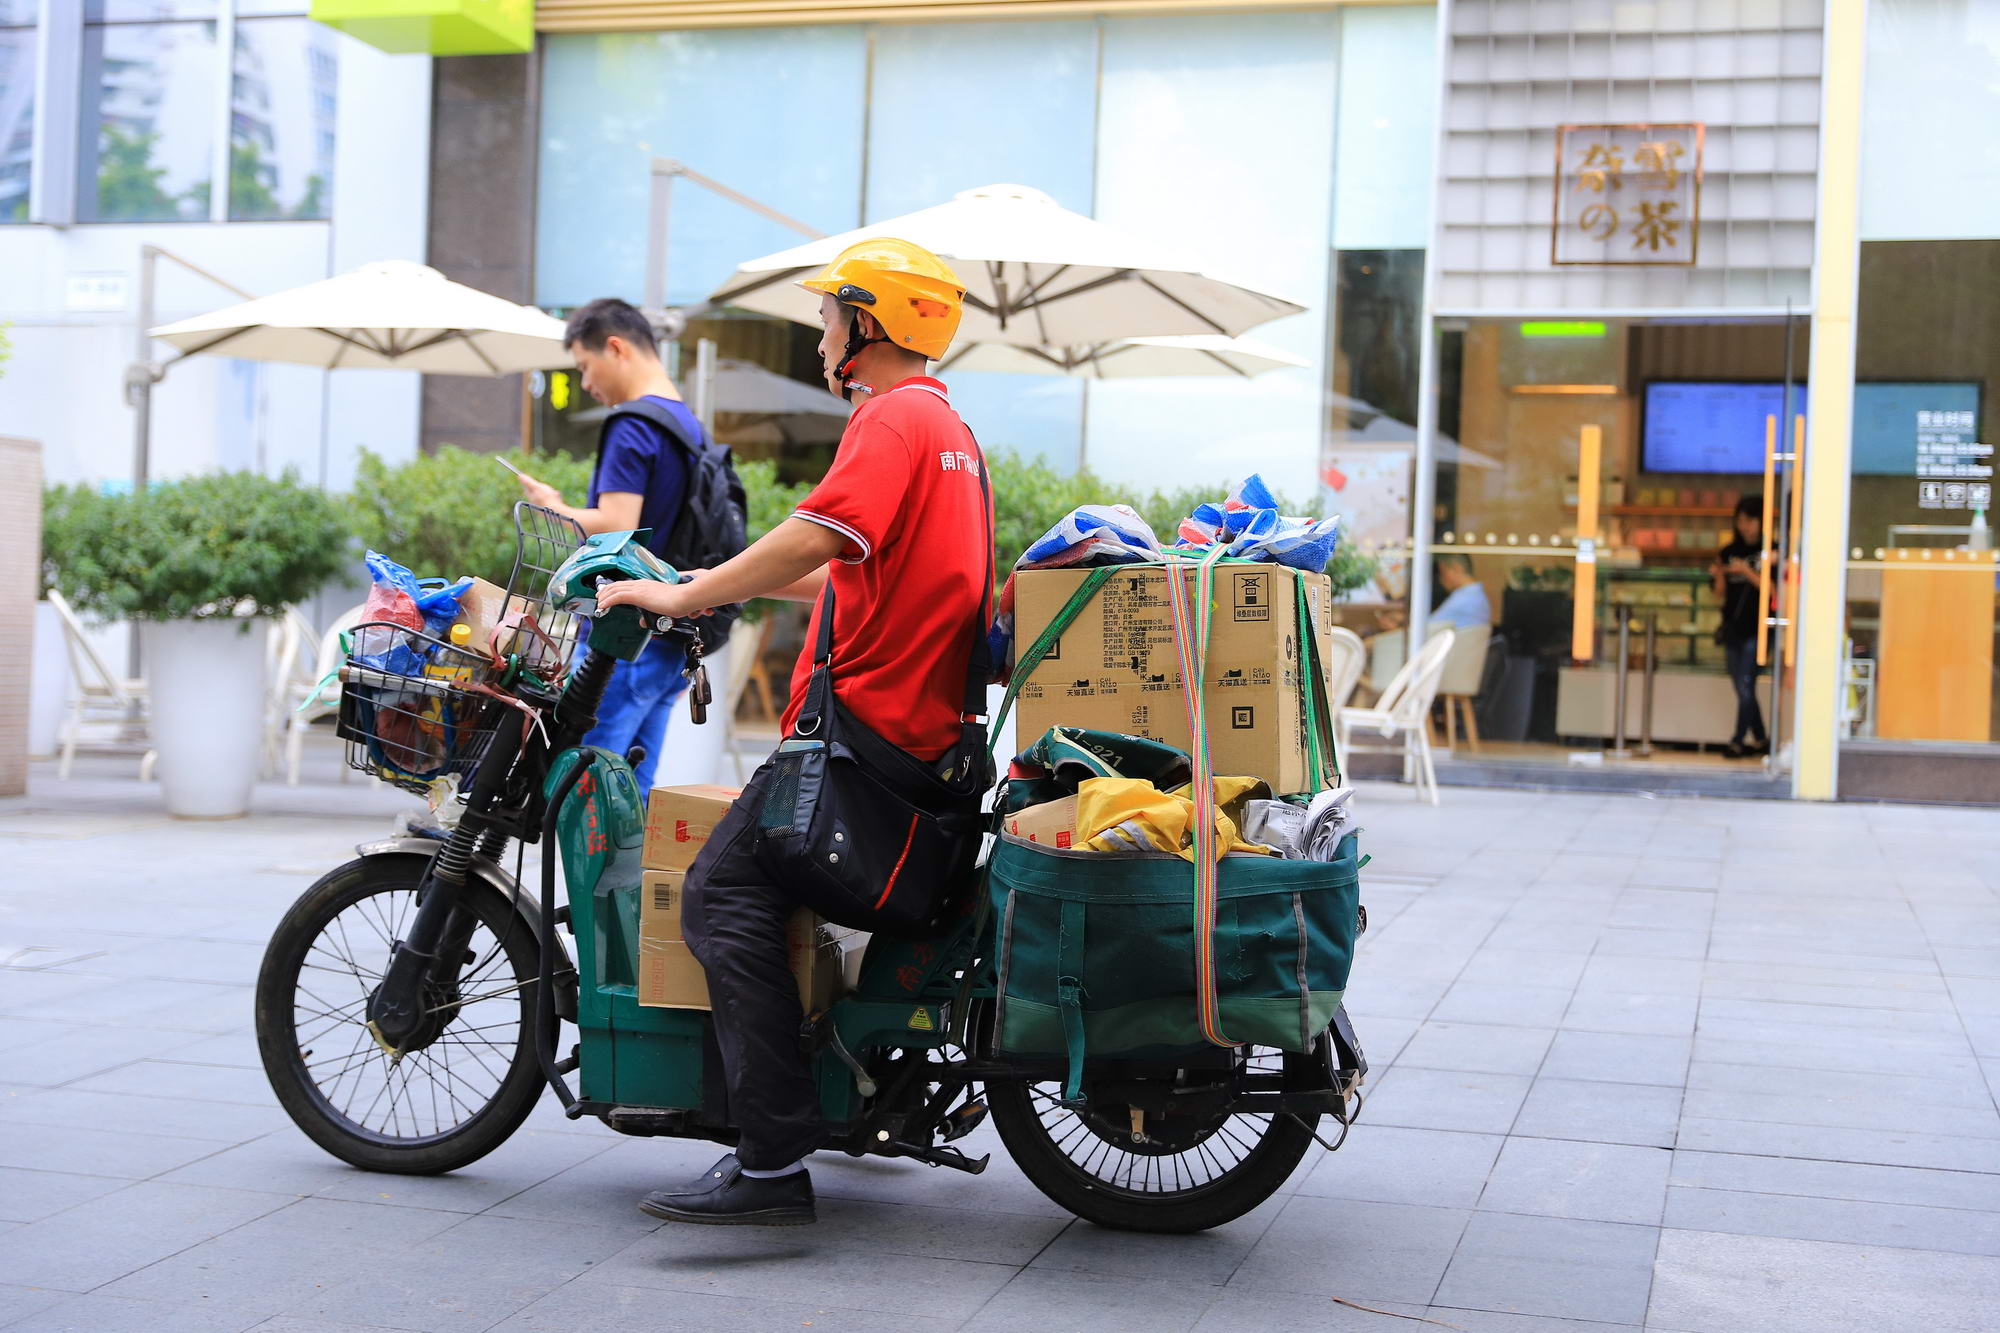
<point x="17" y="107"/>
<point x="1921" y="578"/>
<point x="774" y="112"/>
<point x="1587" y="474"/>
<point x="1187" y="148"/>
<point x="150" y="88"/>
<point x="281" y="119"/>
<point x="1022" y="111"/>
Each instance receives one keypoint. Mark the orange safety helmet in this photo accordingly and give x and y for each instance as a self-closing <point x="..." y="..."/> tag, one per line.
<point x="913" y="293"/>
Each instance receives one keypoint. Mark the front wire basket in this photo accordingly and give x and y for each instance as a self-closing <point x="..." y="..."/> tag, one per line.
<point x="547" y="639"/>
<point x="408" y="709"/>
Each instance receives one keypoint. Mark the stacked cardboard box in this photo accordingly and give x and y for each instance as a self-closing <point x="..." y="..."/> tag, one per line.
<point x="1116" y="667"/>
<point x="679" y="821"/>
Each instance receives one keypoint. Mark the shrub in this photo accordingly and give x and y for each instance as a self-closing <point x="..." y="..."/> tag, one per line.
<point x="451" y="513"/>
<point x="227" y="544"/>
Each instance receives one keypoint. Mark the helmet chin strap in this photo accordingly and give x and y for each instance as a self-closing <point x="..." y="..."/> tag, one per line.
<point x="856" y="342"/>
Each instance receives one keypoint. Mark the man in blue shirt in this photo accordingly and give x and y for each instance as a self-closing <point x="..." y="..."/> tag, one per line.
<point x="1465" y="605"/>
<point x="640" y="482"/>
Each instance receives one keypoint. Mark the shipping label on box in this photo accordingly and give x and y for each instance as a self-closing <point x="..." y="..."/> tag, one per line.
<point x="679" y="821"/>
<point x="1116" y="667"/>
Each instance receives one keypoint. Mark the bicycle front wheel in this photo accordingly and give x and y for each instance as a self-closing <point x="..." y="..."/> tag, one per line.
<point x="458" y="1089"/>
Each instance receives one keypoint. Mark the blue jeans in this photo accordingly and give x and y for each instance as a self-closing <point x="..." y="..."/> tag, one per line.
<point x="637" y="704"/>
<point x="1743" y="671"/>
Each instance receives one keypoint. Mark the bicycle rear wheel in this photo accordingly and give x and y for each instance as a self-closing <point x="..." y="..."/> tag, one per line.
<point x="460" y="1088"/>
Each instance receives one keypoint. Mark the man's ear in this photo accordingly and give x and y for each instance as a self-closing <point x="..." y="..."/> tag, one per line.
<point x="870" y="326"/>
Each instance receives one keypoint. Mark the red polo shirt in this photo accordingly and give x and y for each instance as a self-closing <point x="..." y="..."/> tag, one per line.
<point x="908" y="584"/>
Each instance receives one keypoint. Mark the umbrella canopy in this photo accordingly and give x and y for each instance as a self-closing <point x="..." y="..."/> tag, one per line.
<point x="1129" y="358"/>
<point x="1036" y="274"/>
<point x="388" y="316"/>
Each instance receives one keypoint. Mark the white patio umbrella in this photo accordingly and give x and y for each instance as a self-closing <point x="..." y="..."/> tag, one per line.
<point x="1129" y="358"/>
<point x="393" y="315"/>
<point x="1036" y="274"/>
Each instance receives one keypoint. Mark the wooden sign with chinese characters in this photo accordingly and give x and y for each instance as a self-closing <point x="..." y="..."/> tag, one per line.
<point x="1627" y="194"/>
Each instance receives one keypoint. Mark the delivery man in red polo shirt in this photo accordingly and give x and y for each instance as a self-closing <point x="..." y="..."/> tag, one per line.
<point x="897" y="524"/>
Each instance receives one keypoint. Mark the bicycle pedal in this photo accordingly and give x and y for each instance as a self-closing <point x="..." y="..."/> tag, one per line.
<point x="964" y="1120"/>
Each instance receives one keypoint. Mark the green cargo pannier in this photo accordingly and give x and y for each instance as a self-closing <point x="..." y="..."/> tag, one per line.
<point x="1094" y="954"/>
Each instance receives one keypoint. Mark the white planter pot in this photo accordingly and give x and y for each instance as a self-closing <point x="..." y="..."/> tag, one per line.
<point x="48" y="682"/>
<point x="206" y="679"/>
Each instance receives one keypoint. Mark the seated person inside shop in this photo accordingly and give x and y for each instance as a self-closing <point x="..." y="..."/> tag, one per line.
<point x="1465" y="605"/>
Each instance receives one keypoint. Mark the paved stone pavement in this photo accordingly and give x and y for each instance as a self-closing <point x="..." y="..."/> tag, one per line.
<point x="1688" y="1065"/>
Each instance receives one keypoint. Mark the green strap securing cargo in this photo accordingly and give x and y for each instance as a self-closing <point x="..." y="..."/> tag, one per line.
<point x="1069" y="996"/>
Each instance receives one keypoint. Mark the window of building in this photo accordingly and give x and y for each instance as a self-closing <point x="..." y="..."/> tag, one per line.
<point x="158" y="129"/>
<point x="1923" y="635"/>
<point x="17" y="107"/>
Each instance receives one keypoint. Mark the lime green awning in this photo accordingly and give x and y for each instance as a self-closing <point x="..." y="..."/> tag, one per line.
<point x="434" y="27"/>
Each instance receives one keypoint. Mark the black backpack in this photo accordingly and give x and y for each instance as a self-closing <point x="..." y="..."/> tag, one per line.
<point x="712" y="523"/>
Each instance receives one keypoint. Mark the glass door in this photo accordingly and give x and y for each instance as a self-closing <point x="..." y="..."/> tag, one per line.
<point x="1612" y="537"/>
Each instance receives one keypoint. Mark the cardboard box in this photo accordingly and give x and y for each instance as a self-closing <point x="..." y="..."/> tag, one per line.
<point x="1116" y="669"/>
<point x="679" y="821"/>
<point x="479" y="608"/>
<point x="1052" y="822"/>
<point x="671" y="978"/>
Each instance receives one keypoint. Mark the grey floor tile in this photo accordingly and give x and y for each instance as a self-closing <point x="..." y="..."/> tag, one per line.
<point x="908" y="1228"/>
<point x="1042" y="1299"/>
<point x="1642" y="976"/>
<point x="1639" y="942"/>
<point x="1359" y="1251"/>
<point x="19" y="1302"/>
<point x="1373" y="996"/>
<point x="1205" y="1257"/>
<point x="1389" y="1164"/>
<point x="196" y="1081"/>
<point x="1845" y="1220"/>
<point x="1489" y="1002"/>
<point x="285" y="1257"/>
<point x="1243" y="1310"/>
<point x="107" y="1237"/>
<point x="91" y="1050"/>
<point x="1444" y="1099"/>
<point x="110" y="1314"/>
<point x="285" y="1323"/>
<point x="1494" y="1321"/>
<point x="1628" y="1113"/>
<point x="1597" y="1182"/>
<point x="130" y="1155"/>
<point x="1857" y="1109"/>
<point x="797" y="1266"/>
<point x="1618" y="1057"/>
<point x="1479" y="1048"/>
<point x="219" y="1122"/>
<point x="1960" y="1084"/>
<point x="471" y="1276"/>
<point x="1556" y="1267"/>
<point x="1525" y="967"/>
<point x="1881" y="1147"/>
<point x="30" y="1196"/>
<point x="1623" y="1011"/>
<point x="1856" y="1181"/>
<point x="592" y="1304"/>
<point x="1707" y="1280"/>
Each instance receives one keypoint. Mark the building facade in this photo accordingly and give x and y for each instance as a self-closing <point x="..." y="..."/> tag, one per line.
<point x="1579" y="276"/>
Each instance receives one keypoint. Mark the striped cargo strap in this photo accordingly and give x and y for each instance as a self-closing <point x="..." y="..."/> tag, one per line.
<point x="1191" y="625"/>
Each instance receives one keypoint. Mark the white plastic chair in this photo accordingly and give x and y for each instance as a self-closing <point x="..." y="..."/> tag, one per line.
<point x="1402" y="716"/>
<point x="286" y="662"/>
<point x="97" y="694"/>
<point x="299" y="715"/>
<point x="1458" y="684"/>
<point x="1344" y="665"/>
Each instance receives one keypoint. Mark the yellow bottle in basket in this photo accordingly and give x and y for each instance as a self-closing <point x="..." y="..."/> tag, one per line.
<point x="456" y="665"/>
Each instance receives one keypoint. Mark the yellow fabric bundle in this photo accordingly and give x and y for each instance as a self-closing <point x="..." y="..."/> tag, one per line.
<point x="1131" y="815"/>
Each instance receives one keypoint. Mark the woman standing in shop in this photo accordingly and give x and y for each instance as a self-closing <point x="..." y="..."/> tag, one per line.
<point x="1736" y="583"/>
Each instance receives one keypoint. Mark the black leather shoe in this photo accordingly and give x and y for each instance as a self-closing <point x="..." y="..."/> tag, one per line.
<point x="724" y="1197"/>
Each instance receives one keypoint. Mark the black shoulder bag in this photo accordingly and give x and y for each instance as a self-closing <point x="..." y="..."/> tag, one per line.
<point x="860" y="830"/>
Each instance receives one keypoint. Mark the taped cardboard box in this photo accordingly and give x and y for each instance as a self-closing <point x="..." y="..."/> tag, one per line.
<point x="1052" y="823"/>
<point x="679" y="821"/>
<point x="1116" y="667"/>
<point x="671" y="978"/>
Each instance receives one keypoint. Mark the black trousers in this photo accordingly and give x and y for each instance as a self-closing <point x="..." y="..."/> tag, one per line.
<point x="1743" y="671"/>
<point x="734" y="919"/>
